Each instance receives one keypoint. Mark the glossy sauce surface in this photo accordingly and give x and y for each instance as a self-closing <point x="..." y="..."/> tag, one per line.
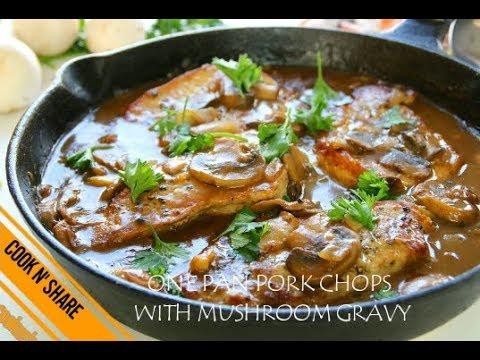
<point x="453" y="249"/>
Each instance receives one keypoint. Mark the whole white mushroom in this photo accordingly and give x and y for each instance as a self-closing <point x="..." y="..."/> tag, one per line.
<point x="20" y="75"/>
<point x="109" y="34"/>
<point x="46" y="37"/>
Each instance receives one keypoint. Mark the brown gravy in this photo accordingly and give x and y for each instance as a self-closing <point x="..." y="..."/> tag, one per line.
<point x="453" y="249"/>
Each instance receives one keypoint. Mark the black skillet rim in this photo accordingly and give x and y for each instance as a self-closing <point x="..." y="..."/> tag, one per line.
<point x="45" y="235"/>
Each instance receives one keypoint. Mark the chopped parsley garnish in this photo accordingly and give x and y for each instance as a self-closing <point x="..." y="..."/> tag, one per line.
<point x="384" y="294"/>
<point x="245" y="234"/>
<point x="83" y="160"/>
<point x="394" y="117"/>
<point x="166" y="123"/>
<point x="157" y="260"/>
<point x="244" y="73"/>
<point x="78" y="48"/>
<point x="275" y="140"/>
<point x="139" y="177"/>
<point x="313" y="118"/>
<point x="170" y="26"/>
<point x="373" y="185"/>
<point x="184" y="142"/>
<point x="359" y="207"/>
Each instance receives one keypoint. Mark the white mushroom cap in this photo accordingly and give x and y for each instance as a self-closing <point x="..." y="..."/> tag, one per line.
<point x="20" y="75"/>
<point x="46" y="36"/>
<point x="109" y="34"/>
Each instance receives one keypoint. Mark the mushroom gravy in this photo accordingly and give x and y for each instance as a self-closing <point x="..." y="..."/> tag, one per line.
<point x="74" y="199"/>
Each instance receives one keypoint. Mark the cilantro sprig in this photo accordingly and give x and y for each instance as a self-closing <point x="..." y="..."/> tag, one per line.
<point x="83" y="160"/>
<point x="185" y="142"/>
<point x="156" y="261"/>
<point x="359" y="207"/>
<point x="394" y="117"/>
<point x="245" y="234"/>
<point x="244" y="73"/>
<point x="275" y="140"/>
<point x="314" y="118"/>
<point x="170" y="26"/>
<point x="166" y="123"/>
<point x="139" y="177"/>
<point x="374" y="185"/>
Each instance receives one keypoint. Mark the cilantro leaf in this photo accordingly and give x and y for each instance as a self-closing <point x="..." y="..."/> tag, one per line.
<point x="275" y="140"/>
<point x="358" y="208"/>
<point x="244" y="73"/>
<point x="394" y="117"/>
<point x="374" y="185"/>
<point x="78" y="48"/>
<point x="384" y="294"/>
<point x="370" y="189"/>
<point x="245" y="234"/>
<point x="83" y="160"/>
<point x="170" y="26"/>
<point x="313" y="118"/>
<point x="139" y="177"/>
<point x="157" y="260"/>
<point x="322" y="90"/>
<point x="184" y="142"/>
<point x="166" y="123"/>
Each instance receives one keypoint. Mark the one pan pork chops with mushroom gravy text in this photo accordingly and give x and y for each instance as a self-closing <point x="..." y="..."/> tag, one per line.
<point x="231" y="174"/>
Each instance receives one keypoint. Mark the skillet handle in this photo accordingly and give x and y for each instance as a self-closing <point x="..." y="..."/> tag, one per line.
<point x="424" y="33"/>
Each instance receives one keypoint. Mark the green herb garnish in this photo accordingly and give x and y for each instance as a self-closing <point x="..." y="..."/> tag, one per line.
<point x="157" y="260"/>
<point x="370" y="189"/>
<point x="373" y="185"/>
<point x="245" y="234"/>
<point x="358" y="208"/>
<point x="139" y="177"/>
<point x="166" y="123"/>
<point x="185" y="142"/>
<point x="78" y="48"/>
<point x="83" y="160"/>
<point x="313" y="118"/>
<point x="394" y="117"/>
<point x="384" y="294"/>
<point x="170" y="26"/>
<point x="275" y="140"/>
<point x="244" y="73"/>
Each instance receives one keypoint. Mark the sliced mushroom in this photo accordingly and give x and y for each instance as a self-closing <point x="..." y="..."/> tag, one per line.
<point x="99" y="181"/>
<point x="449" y="201"/>
<point x="235" y="101"/>
<point x="300" y="208"/>
<point x="407" y="164"/>
<point x="112" y="190"/>
<point x="230" y="126"/>
<point x="202" y="262"/>
<point x="333" y="254"/>
<point x="297" y="165"/>
<point x="230" y="164"/>
<point x="360" y="142"/>
<point x="199" y="116"/>
<point x="266" y="89"/>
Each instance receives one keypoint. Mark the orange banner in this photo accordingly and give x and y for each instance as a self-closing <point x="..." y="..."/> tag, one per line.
<point x="70" y="314"/>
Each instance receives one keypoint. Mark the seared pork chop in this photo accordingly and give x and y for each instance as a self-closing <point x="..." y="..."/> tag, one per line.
<point x="363" y="139"/>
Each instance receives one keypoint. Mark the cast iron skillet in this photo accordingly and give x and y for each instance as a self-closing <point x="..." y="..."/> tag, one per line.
<point x="409" y="56"/>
